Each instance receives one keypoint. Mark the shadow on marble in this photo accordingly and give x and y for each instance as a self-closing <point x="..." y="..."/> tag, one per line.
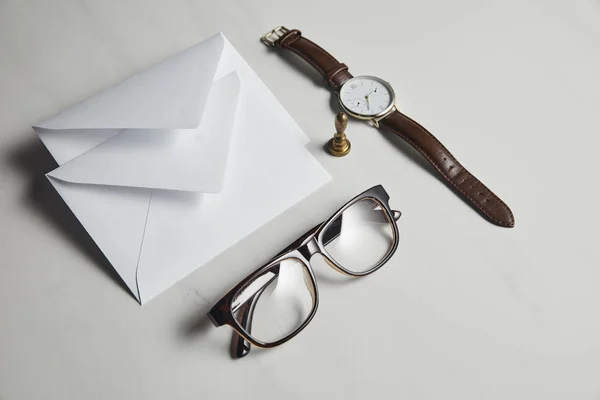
<point x="198" y="325"/>
<point x="32" y="160"/>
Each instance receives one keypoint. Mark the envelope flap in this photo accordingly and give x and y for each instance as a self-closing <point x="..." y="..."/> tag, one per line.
<point x="170" y="159"/>
<point x="169" y="95"/>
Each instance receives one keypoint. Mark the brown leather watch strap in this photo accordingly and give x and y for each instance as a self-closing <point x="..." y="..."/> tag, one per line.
<point x="462" y="180"/>
<point x="334" y="72"/>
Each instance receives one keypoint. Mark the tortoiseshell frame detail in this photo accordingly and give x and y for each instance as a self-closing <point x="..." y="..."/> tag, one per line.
<point x="312" y="242"/>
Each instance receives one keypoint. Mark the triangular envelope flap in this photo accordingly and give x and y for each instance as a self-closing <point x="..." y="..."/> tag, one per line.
<point x="182" y="159"/>
<point x="169" y="95"/>
<point x="66" y="144"/>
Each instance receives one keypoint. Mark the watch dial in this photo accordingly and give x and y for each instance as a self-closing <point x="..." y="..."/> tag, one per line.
<point x="366" y="96"/>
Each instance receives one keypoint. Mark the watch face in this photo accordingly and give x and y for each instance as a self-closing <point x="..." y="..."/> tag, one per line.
<point x="367" y="96"/>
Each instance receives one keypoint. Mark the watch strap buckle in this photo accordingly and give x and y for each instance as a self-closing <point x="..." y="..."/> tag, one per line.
<point x="271" y="37"/>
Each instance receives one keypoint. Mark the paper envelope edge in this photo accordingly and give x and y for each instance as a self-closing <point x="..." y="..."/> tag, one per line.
<point x="192" y="173"/>
<point x="189" y="60"/>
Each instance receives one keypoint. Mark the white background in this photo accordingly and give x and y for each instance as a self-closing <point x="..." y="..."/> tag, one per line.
<point x="465" y="310"/>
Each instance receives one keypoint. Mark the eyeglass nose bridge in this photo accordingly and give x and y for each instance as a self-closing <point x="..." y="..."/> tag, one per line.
<point x="310" y="248"/>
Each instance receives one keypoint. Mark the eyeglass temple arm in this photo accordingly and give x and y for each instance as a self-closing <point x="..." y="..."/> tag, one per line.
<point x="397" y="214"/>
<point x="240" y="346"/>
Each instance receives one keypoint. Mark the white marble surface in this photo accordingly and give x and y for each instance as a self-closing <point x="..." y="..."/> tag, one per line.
<point x="465" y="310"/>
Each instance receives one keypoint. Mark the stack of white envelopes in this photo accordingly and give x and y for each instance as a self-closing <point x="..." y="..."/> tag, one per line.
<point x="174" y="165"/>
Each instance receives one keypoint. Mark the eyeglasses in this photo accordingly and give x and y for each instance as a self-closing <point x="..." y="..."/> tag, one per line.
<point x="275" y="302"/>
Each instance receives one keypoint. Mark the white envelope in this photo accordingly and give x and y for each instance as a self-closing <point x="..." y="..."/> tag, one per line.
<point x="174" y="165"/>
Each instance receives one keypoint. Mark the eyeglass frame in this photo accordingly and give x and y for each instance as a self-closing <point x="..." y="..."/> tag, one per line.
<point x="302" y="249"/>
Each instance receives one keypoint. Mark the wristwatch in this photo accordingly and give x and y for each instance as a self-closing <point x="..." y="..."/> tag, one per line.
<point x="373" y="99"/>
